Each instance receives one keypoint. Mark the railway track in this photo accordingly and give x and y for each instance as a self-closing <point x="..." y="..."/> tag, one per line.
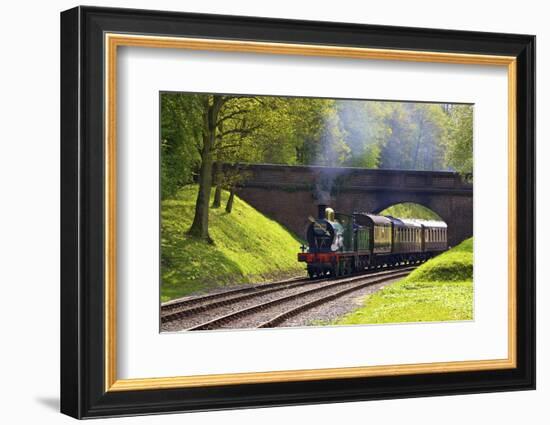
<point x="261" y="306"/>
<point x="230" y="297"/>
<point x="172" y="310"/>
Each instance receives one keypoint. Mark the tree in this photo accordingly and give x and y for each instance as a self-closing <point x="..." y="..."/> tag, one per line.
<point x="181" y="128"/>
<point x="289" y="130"/>
<point x="234" y="176"/>
<point x="459" y="155"/>
<point x="416" y="137"/>
<point x="234" y="130"/>
<point x="365" y="131"/>
<point x="431" y="126"/>
<point x="396" y="148"/>
<point x="210" y="110"/>
<point x="334" y="150"/>
<point x="223" y="118"/>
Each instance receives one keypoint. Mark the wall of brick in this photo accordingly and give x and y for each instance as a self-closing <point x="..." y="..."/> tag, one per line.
<point x="289" y="194"/>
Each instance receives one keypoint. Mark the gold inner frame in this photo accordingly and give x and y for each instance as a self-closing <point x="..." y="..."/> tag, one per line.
<point x="113" y="41"/>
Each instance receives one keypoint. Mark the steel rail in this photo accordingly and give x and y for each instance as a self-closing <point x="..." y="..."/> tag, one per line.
<point x="180" y="314"/>
<point x="172" y="305"/>
<point x="182" y="303"/>
<point x="220" y="321"/>
<point x="281" y="318"/>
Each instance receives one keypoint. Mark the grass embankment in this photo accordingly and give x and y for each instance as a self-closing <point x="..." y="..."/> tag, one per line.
<point x="439" y="290"/>
<point x="248" y="247"/>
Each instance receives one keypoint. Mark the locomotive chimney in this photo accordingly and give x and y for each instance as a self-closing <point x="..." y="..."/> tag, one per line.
<point x="321" y="211"/>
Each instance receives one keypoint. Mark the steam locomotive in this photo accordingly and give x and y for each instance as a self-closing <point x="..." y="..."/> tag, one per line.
<point x="341" y="244"/>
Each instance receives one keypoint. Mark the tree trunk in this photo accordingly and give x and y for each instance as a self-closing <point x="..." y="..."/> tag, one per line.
<point x="229" y="205"/>
<point x="199" y="228"/>
<point x="219" y="180"/>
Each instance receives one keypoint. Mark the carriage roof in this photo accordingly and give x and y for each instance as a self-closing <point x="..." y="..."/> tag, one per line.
<point x="406" y="222"/>
<point x="381" y="220"/>
<point x="377" y="220"/>
<point x="436" y="224"/>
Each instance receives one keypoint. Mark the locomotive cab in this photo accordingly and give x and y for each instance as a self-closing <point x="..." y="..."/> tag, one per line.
<point x="325" y="234"/>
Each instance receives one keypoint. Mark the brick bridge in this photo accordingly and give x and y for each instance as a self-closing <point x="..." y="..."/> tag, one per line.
<point x="289" y="194"/>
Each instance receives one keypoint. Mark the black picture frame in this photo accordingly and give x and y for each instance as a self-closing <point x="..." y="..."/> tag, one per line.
<point x="83" y="392"/>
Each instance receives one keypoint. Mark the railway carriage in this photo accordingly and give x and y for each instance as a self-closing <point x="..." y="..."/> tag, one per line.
<point x="434" y="235"/>
<point x="407" y="237"/>
<point x="340" y="244"/>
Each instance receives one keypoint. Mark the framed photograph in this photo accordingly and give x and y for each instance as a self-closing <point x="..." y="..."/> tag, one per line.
<point x="261" y="212"/>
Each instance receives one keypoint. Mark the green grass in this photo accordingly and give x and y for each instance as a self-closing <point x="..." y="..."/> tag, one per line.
<point x="410" y="210"/>
<point x="439" y="290"/>
<point x="248" y="247"/>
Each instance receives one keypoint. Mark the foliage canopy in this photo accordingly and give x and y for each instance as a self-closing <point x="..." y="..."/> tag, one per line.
<point x="313" y="131"/>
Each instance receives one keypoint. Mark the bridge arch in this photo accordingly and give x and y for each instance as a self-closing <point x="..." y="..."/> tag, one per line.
<point x="410" y="210"/>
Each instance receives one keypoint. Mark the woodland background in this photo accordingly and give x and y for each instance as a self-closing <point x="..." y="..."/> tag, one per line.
<point x="199" y="132"/>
